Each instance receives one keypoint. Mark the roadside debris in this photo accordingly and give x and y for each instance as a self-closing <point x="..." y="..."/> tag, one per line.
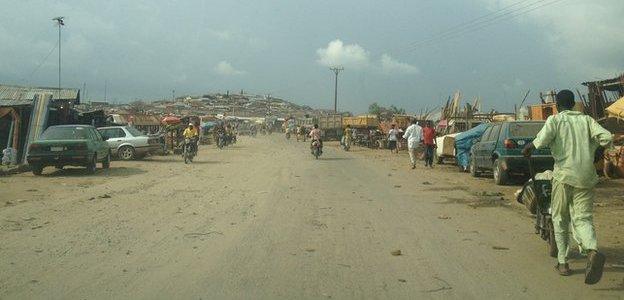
<point x="105" y="196"/>
<point x="499" y="248"/>
<point x="396" y="253"/>
<point x="426" y="183"/>
<point x="443" y="217"/>
<point x="402" y="280"/>
<point x="397" y="186"/>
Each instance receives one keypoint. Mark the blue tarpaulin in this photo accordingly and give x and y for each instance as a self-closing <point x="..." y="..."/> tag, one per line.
<point x="208" y="125"/>
<point x="464" y="141"/>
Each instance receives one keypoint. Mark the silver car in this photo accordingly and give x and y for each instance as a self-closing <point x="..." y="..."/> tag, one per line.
<point x="128" y="143"/>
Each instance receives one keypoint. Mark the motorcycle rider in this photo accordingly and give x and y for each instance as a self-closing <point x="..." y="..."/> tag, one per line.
<point x="315" y="135"/>
<point x="299" y="131"/>
<point x="192" y="134"/>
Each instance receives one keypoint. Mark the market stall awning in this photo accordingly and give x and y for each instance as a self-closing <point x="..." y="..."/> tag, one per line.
<point x="616" y="109"/>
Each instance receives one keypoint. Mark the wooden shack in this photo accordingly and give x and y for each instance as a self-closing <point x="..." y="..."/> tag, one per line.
<point x="541" y="112"/>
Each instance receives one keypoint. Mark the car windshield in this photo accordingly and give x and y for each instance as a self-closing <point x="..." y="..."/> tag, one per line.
<point x="525" y="129"/>
<point x="65" y="133"/>
<point x="135" y="132"/>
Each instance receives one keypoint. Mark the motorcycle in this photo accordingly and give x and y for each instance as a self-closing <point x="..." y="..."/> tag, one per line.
<point x="287" y="134"/>
<point x="190" y="150"/>
<point x="316" y="148"/>
<point x="536" y="196"/>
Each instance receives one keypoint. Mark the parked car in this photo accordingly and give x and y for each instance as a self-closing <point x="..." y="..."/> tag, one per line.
<point x="499" y="150"/>
<point x="128" y="143"/>
<point x="69" y="145"/>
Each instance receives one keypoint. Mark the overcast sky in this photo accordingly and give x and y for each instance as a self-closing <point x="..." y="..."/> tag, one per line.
<point x="408" y="53"/>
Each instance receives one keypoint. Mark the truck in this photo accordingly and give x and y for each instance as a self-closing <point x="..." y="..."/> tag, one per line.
<point x="331" y="126"/>
<point x="306" y="122"/>
<point x="364" y="121"/>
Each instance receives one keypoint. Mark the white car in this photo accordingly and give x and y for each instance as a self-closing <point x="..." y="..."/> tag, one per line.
<point x="128" y="143"/>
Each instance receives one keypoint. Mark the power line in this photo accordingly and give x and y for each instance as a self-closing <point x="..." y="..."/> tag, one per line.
<point x="493" y="18"/>
<point x="41" y="63"/>
<point x="485" y="23"/>
<point x="469" y="22"/>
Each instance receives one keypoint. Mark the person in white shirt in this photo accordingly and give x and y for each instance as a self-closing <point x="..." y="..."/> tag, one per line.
<point x="393" y="138"/>
<point x="413" y="134"/>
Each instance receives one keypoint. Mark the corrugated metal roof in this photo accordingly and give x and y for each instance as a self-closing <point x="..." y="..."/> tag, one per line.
<point x="5" y="103"/>
<point x="15" y="92"/>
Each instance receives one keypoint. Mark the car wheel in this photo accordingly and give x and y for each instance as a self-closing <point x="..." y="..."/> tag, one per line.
<point x="106" y="162"/>
<point x="92" y="166"/>
<point x="37" y="169"/>
<point x="126" y="153"/>
<point x="474" y="170"/>
<point x="501" y="177"/>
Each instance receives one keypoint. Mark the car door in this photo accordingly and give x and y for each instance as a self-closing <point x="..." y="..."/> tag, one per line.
<point x="117" y="136"/>
<point x="478" y="148"/>
<point x="102" y="145"/>
<point x="92" y="144"/>
<point x="489" y="145"/>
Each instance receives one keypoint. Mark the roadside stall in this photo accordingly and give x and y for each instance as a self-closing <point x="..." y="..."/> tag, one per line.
<point x="446" y="148"/>
<point x="613" y="164"/>
<point x="207" y="137"/>
<point x="173" y="130"/>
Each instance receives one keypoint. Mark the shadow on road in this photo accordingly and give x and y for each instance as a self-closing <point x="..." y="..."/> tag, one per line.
<point x="82" y="172"/>
<point x="179" y="160"/>
<point x="335" y="158"/>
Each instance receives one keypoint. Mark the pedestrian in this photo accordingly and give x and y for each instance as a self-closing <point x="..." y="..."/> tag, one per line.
<point x="428" y="136"/>
<point x="413" y="135"/>
<point x="393" y="139"/>
<point x="573" y="139"/>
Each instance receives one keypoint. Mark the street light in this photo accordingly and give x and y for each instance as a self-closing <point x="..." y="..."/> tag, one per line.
<point x="60" y="22"/>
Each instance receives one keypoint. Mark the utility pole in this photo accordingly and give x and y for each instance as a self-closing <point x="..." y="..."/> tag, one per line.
<point x="173" y="95"/>
<point x="336" y="70"/>
<point x="268" y="97"/>
<point x="60" y="23"/>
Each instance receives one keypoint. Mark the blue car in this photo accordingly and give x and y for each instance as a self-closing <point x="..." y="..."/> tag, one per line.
<point x="499" y="151"/>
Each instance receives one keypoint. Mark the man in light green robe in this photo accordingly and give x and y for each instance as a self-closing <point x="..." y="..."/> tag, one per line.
<point x="573" y="139"/>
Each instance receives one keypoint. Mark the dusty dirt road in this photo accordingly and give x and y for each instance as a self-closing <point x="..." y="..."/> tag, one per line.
<point x="264" y="220"/>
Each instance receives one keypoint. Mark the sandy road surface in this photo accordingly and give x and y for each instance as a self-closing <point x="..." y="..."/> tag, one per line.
<point x="264" y="220"/>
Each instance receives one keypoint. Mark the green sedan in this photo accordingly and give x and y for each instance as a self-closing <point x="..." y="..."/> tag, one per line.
<point x="69" y="145"/>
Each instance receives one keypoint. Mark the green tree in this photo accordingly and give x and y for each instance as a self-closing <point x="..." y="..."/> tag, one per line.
<point x="396" y="110"/>
<point x="374" y="109"/>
